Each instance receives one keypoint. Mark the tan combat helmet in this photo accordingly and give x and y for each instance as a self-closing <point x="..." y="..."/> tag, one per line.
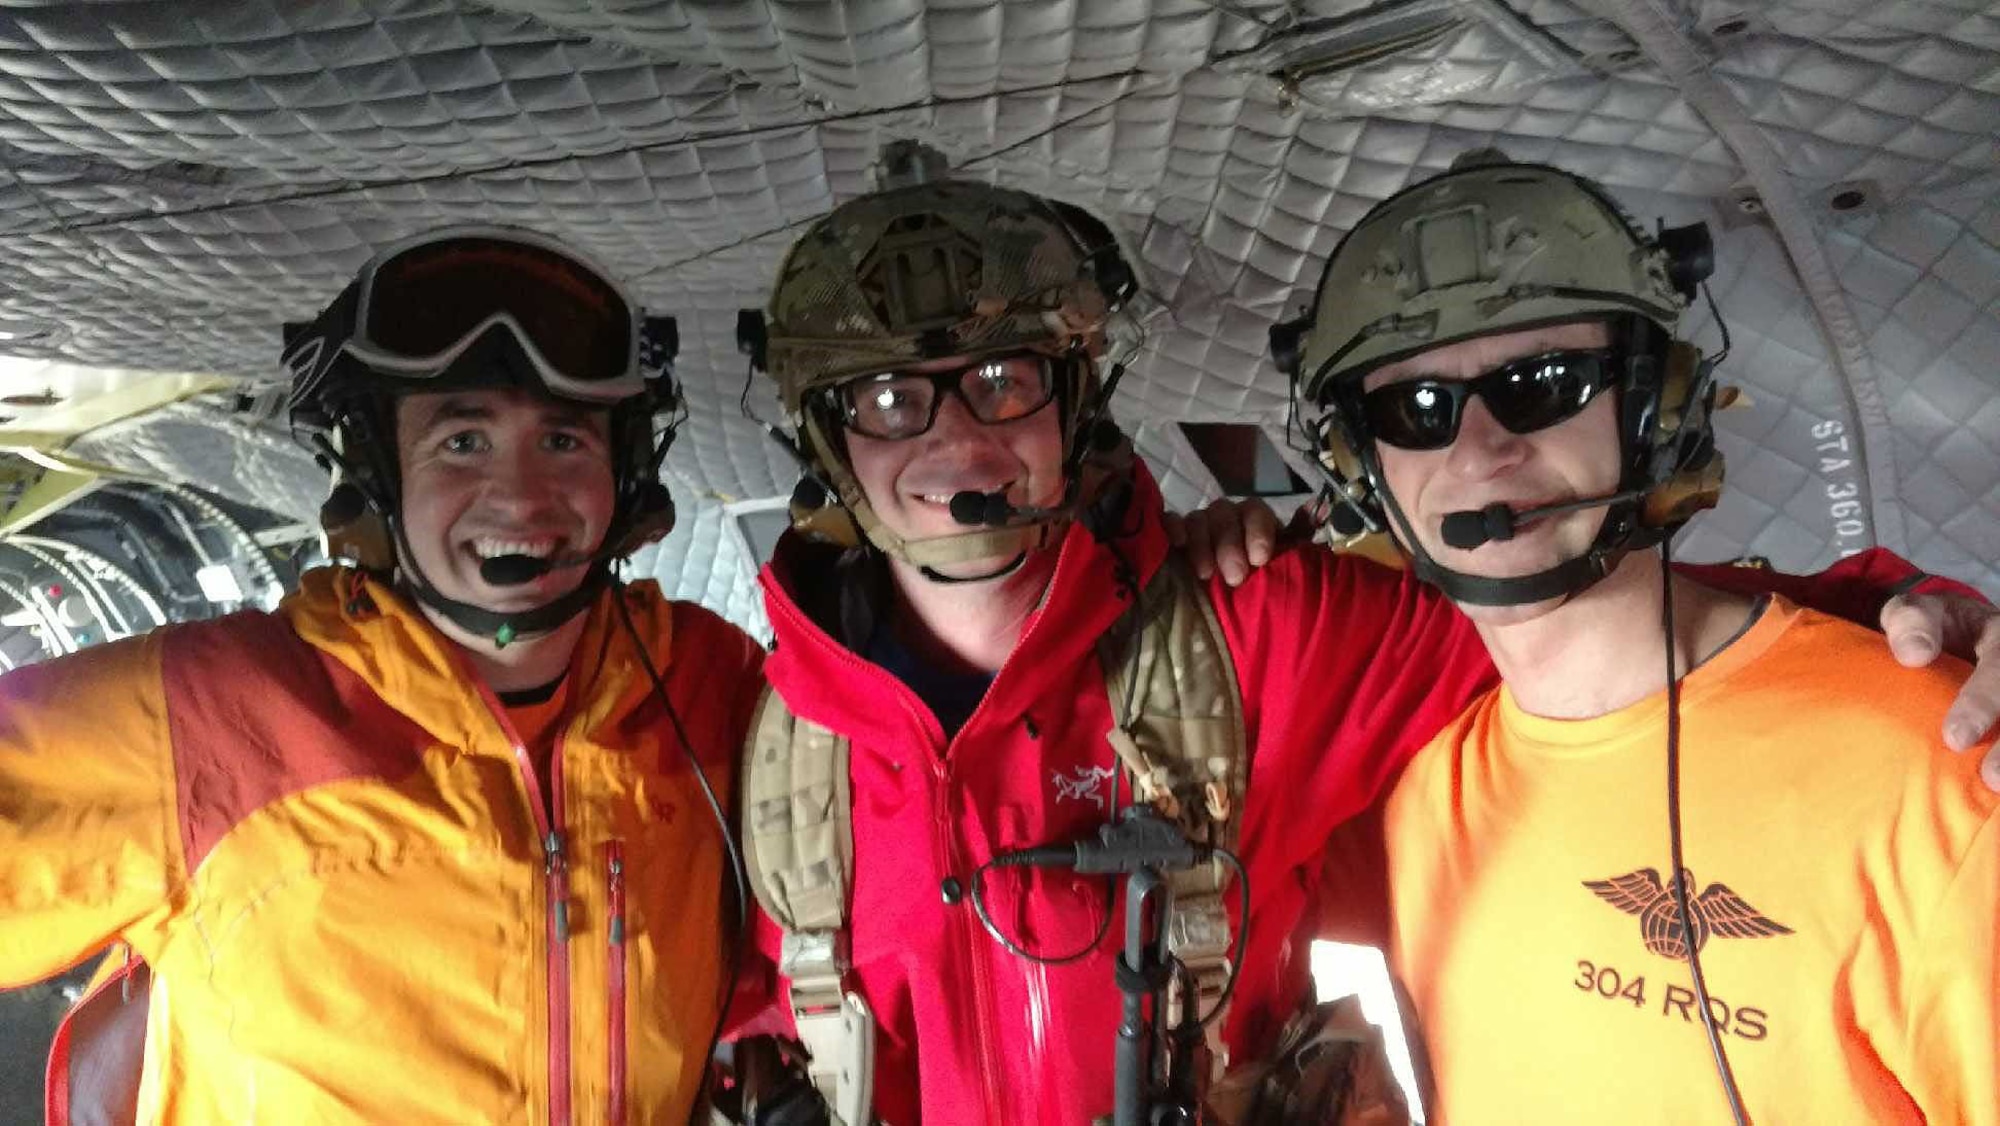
<point x="927" y="271"/>
<point x="1493" y="246"/>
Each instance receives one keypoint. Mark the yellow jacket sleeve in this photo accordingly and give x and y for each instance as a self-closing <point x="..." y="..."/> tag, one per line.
<point x="1955" y="1003"/>
<point x="89" y="845"/>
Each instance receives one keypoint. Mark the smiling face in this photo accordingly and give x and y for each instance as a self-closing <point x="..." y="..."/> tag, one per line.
<point x="1572" y="460"/>
<point x="488" y="473"/>
<point x="909" y="482"/>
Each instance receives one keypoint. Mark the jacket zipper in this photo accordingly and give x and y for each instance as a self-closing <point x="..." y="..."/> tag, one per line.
<point x="547" y="819"/>
<point x="556" y="861"/>
<point x="968" y="944"/>
<point x="615" y="975"/>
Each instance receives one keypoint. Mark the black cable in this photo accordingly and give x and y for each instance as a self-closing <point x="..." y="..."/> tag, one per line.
<point x="777" y="433"/>
<point x="743" y="397"/>
<point x="1721" y="326"/>
<point x="1007" y="944"/>
<point x="1239" y="941"/>
<point x="721" y="823"/>
<point x="1680" y="888"/>
<point x="1122" y="569"/>
<point x="1126" y="578"/>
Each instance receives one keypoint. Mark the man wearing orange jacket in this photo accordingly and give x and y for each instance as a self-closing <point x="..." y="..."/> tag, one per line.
<point x="439" y="840"/>
<point x="1701" y="856"/>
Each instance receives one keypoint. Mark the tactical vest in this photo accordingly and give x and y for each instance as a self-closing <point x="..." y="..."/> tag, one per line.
<point x="1177" y="730"/>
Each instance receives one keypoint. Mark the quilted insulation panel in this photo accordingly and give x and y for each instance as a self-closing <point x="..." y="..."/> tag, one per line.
<point x="177" y="179"/>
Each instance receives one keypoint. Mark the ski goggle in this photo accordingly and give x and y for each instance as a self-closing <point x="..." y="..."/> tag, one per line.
<point x="904" y="404"/>
<point x="422" y="304"/>
<point x="1523" y="395"/>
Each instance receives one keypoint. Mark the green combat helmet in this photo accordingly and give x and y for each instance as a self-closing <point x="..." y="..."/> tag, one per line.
<point x="928" y="270"/>
<point x="1493" y="246"/>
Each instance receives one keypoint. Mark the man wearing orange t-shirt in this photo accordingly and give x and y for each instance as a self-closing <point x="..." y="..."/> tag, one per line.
<point x="1496" y="382"/>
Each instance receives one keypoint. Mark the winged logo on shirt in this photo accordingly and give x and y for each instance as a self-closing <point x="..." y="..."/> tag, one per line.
<point x="1717" y="910"/>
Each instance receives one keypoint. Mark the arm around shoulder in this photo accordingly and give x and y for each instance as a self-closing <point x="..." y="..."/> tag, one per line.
<point x="89" y="844"/>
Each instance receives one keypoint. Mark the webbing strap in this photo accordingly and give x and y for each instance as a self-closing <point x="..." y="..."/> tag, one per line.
<point x="798" y="819"/>
<point x="1178" y="728"/>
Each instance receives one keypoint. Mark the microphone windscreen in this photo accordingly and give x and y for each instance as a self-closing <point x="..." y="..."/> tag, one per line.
<point x="969" y="507"/>
<point x="512" y="570"/>
<point x="1467" y="530"/>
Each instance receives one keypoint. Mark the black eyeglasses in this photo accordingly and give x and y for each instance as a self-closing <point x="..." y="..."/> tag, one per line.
<point x="904" y="404"/>
<point x="1524" y="396"/>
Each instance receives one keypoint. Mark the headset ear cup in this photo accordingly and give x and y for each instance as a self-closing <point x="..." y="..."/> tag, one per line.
<point x="1678" y="499"/>
<point x="356" y="530"/>
<point x="1685" y="468"/>
<point x="1683" y="370"/>
<point x="651" y="519"/>
<point x="1677" y="422"/>
<point x="1353" y="494"/>
<point x="1339" y="455"/>
<point x="819" y="515"/>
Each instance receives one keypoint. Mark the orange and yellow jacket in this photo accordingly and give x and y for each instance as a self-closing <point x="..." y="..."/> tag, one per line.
<point x="322" y="833"/>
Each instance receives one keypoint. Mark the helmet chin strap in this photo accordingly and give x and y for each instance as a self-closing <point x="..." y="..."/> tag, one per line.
<point x="1565" y="580"/>
<point x="1006" y="569"/>
<point x="501" y="627"/>
<point x="1011" y="540"/>
<point x="968" y="547"/>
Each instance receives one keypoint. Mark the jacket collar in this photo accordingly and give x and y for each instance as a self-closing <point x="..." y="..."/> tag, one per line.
<point x="387" y="642"/>
<point x="824" y="681"/>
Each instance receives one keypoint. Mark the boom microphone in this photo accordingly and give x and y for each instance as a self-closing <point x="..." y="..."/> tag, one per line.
<point x="976" y="509"/>
<point x="1497" y="522"/>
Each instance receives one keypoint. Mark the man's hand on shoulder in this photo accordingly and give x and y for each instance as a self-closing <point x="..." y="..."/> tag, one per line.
<point x="1921" y="626"/>
<point x="1233" y="537"/>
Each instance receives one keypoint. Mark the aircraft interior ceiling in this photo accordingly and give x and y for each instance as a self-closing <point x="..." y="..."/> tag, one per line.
<point x="177" y="179"/>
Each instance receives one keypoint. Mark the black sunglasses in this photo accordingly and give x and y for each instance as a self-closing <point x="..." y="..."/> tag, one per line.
<point x="904" y="404"/>
<point x="1523" y="395"/>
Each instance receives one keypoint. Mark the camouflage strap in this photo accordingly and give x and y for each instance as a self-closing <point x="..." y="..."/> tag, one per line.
<point x="798" y="820"/>
<point x="798" y="846"/>
<point x="1178" y="729"/>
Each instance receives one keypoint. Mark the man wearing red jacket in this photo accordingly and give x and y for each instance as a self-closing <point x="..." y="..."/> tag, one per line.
<point x="941" y="350"/>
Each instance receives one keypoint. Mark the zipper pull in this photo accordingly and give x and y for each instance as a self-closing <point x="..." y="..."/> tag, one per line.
<point x="617" y="896"/>
<point x="557" y="868"/>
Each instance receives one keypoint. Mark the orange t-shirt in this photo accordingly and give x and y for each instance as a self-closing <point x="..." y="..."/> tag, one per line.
<point x="1845" y="874"/>
<point x="537" y="722"/>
